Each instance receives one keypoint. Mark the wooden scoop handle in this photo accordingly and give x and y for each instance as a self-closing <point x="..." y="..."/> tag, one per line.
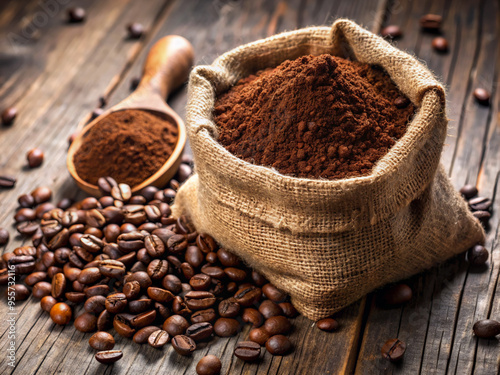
<point x="167" y="66"/>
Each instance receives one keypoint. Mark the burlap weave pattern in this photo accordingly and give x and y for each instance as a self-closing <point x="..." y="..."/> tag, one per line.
<point x="327" y="243"/>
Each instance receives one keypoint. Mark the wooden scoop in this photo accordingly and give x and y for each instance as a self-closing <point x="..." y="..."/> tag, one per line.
<point x="167" y="67"/>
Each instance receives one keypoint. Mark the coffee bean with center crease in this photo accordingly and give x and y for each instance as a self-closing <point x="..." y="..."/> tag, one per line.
<point x="132" y="289"/>
<point x="180" y="307"/>
<point x="158" y="269"/>
<point x="154" y="245"/>
<point x="200" y="282"/>
<point x="58" y="285"/>
<point x="248" y="351"/>
<point x="158" y="339"/>
<point x="123" y="325"/>
<point x="175" y="325"/>
<point x="95" y="218"/>
<point x="109" y="356"/>
<point x="142" y="335"/>
<point x="431" y="22"/>
<point x="86" y="322"/>
<point x="393" y="350"/>
<point x="7" y="181"/>
<point x="278" y="345"/>
<point x="105" y="184"/>
<point x="28" y="228"/>
<point x="95" y="304"/>
<point x="116" y="303"/>
<point x="132" y="241"/>
<point x="141" y="277"/>
<point x="480" y="204"/>
<point x="102" y="341"/>
<point x="253" y="317"/>
<point x="486" y="328"/>
<point x="122" y="192"/>
<point x="199" y="300"/>
<point x="91" y="243"/>
<point x="477" y="255"/>
<point x="248" y="296"/>
<point x="202" y="316"/>
<point x="200" y="331"/>
<point x="206" y="243"/>
<point x="225" y="327"/>
<point x="160" y="295"/>
<point x="209" y="365"/>
<point x="177" y="243"/>
<point x="23" y="264"/>
<point x="229" y="308"/>
<point x="104" y="321"/>
<point x="59" y="240"/>
<point x="183" y="345"/>
<point x="112" y="268"/>
<point x="144" y="319"/>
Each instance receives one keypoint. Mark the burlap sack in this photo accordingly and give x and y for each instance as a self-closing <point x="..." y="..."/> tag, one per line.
<point x="328" y="243"/>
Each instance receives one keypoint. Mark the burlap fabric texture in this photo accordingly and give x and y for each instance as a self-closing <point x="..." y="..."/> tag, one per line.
<point x="328" y="243"/>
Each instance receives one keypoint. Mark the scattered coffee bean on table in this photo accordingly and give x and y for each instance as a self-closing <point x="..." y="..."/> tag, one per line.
<point x="9" y="115"/>
<point x="431" y="22"/>
<point x="109" y="356"/>
<point x="102" y="341"/>
<point x="209" y="365"/>
<point x="35" y="157"/>
<point x="486" y="329"/>
<point x="76" y="15"/>
<point x="61" y="313"/>
<point x="440" y="44"/>
<point x="328" y="324"/>
<point x="278" y="345"/>
<point x="478" y="255"/>
<point x="248" y="351"/>
<point x="7" y="181"/>
<point x="393" y="350"/>
<point x="392" y="32"/>
<point x="4" y="236"/>
<point x="468" y="191"/>
<point x="135" y="30"/>
<point x="482" y="96"/>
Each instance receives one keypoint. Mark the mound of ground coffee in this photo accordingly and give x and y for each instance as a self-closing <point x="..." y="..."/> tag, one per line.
<point x="314" y="117"/>
<point x="129" y="146"/>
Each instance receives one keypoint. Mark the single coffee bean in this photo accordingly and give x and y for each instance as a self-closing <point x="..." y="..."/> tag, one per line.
<point x="58" y="285"/>
<point x="431" y="22"/>
<point x="19" y="291"/>
<point x="206" y="243"/>
<point x="42" y="289"/>
<point x="154" y="245"/>
<point x="401" y="102"/>
<point x="477" y="255"/>
<point x="116" y="303"/>
<point x="4" y="236"/>
<point x="35" y="158"/>
<point x="25" y="214"/>
<point x="199" y="300"/>
<point x="104" y="321"/>
<point x="253" y="317"/>
<point x="144" y="319"/>
<point x="86" y="322"/>
<point x="225" y="327"/>
<point x="480" y="204"/>
<point x="160" y="295"/>
<point x="229" y="308"/>
<point x="122" y="192"/>
<point x="227" y="259"/>
<point x="47" y="303"/>
<point x="183" y="345"/>
<point x="140" y="305"/>
<point x="35" y="277"/>
<point x="23" y="264"/>
<point x="440" y="44"/>
<point x="277" y="325"/>
<point x="396" y="295"/>
<point x="327" y="324"/>
<point x="89" y="275"/>
<point x="172" y="283"/>
<point x="248" y="296"/>
<point x="123" y="325"/>
<point x="95" y="304"/>
<point x="64" y="203"/>
<point x="9" y="115"/>
<point x="135" y="30"/>
<point x="105" y="184"/>
<point x="142" y="335"/>
<point x="61" y="313"/>
<point x="142" y="278"/>
<point x="42" y="194"/>
<point x="109" y="356"/>
<point x="7" y="181"/>
<point x="269" y="309"/>
<point x="486" y="328"/>
<point x="235" y="274"/>
<point x="184" y="172"/>
<point x="392" y="32"/>
<point x="468" y="191"/>
<point x="112" y="268"/>
<point x="482" y="96"/>
<point x="177" y="243"/>
<point x="202" y="316"/>
<point x="175" y="325"/>
<point x="97" y="290"/>
<point x="248" y="351"/>
<point x="209" y="365"/>
<point x="131" y="241"/>
<point x="76" y="15"/>
<point x="75" y="297"/>
<point x="132" y="289"/>
<point x="91" y="243"/>
<point x="158" y="339"/>
<point x="200" y="282"/>
<point x="194" y="256"/>
<point x="26" y="200"/>
<point x="393" y="350"/>
<point x="259" y="335"/>
<point x="273" y="293"/>
<point x="158" y="269"/>
<point x="278" y="345"/>
<point x="211" y="257"/>
<point x="200" y="331"/>
<point x="102" y="341"/>
<point x="28" y="228"/>
<point x="482" y="216"/>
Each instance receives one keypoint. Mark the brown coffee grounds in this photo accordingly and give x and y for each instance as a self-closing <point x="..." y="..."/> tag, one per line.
<point x="129" y="146"/>
<point x="314" y="117"/>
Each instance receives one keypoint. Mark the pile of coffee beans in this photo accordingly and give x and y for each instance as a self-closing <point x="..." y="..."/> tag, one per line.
<point x="148" y="276"/>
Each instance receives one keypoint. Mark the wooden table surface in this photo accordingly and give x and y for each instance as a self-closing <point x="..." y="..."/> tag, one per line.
<point x="54" y="73"/>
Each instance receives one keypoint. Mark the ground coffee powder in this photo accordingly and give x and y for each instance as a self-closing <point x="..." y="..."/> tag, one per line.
<point x="314" y="117"/>
<point x="129" y="146"/>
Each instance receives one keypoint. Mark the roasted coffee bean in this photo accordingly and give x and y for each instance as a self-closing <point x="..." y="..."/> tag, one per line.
<point x="132" y="241"/>
<point x="90" y="275"/>
<point x="152" y="212"/>
<point x="231" y="287"/>
<point x="27" y="228"/>
<point x="123" y="326"/>
<point x="160" y="295"/>
<point x="70" y="218"/>
<point x="61" y="313"/>
<point x="149" y="191"/>
<point x="109" y="356"/>
<point x="396" y="295"/>
<point x="482" y="96"/>
<point x="148" y="227"/>
<point x="172" y="283"/>
<point x="227" y="259"/>
<point x="75" y="297"/>
<point x="184" y="172"/>
<point x="64" y="203"/>
<point x="177" y="243"/>
<point x="61" y="255"/>
<point x="202" y="316"/>
<point x="4" y="236"/>
<point x="111" y="232"/>
<point x="200" y="282"/>
<point x="175" y="263"/>
<point x="9" y="115"/>
<point x="206" y="243"/>
<point x="76" y="15"/>
<point x="175" y="325"/>
<point x="137" y="199"/>
<point x="144" y="257"/>
<point x="269" y="309"/>
<point x="393" y="350"/>
<point x="112" y="250"/>
<point x="141" y="277"/>
<point x="431" y="22"/>
<point x="71" y="273"/>
<point x="468" y="191"/>
<point x="401" y="102"/>
<point x="273" y="293"/>
<point x="277" y="325"/>
<point x="95" y="218"/>
<point x="52" y="271"/>
<point x="209" y="365"/>
<point x="134" y="213"/>
<point x="91" y="243"/>
<point x="41" y="194"/>
<point x="480" y="204"/>
<point x="95" y="304"/>
<point x="235" y="274"/>
<point x="248" y="296"/>
<point x="248" y="351"/>
<point x="106" y="201"/>
<point x="48" y="259"/>
<point x="229" y="308"/>
<point x="187" y="270"/>
<point x="58" y="285"/>
<point x="259" y="335"/>
<point x="392" y="32"/>
<point x="144" y="319"/>
<point x="104" y="321"/>
<point x="183" y="345"/>
<point x="116" y="303"/>
<point x="112" y="268"/>
<point x="225" y="327"/>
<point x="97" y="290"/>
<point x="26" y="200"/>
<point x="59" y="240"/>
<point x="135" y="30"/>
<point x="35" y="158"/>
<point x="154" y="245"/>
<point x="128" y="228"/>
<point x="25" y="250"/>
<point x="200" y="331"/>
<point x="157" y="269"/>
<point x="166" y="195"/>
<point x="253" y="317"/>
<point x="162" y="311"/>
<point x="132" y="289"/>
<point x="47" y="303"/>
<point x="78" y="287"/>
<point x="440" y="44"/>
<point x="482" y="216"/>
<point x="214" y="272"/>
<point x="180" y="307"/>
<point x="327" y="324"/>
<point x="122" y="192"/>
<point x="486" y="329"/>
<point x="477" y="255"/>
<point x="86" y="323"/>
<point x="194" y="256"/>
<point x="199" y="300"/>
<point x="43" y="210"/>
<point x="23" y="264"/>
<point x="142" y="335"/>
<point x="114" y="215"/>
<point x="139" y="306"/>
<point x="158" y="339"/>
<point x="25" y="214"/>
<point x="7" y="181"/>
<point x="35" y="277"/>
<point x="105" y="184"/>
<point x="102" y="341"/>
<point x="18" y="291"/>
<point x="278" y="345"/>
